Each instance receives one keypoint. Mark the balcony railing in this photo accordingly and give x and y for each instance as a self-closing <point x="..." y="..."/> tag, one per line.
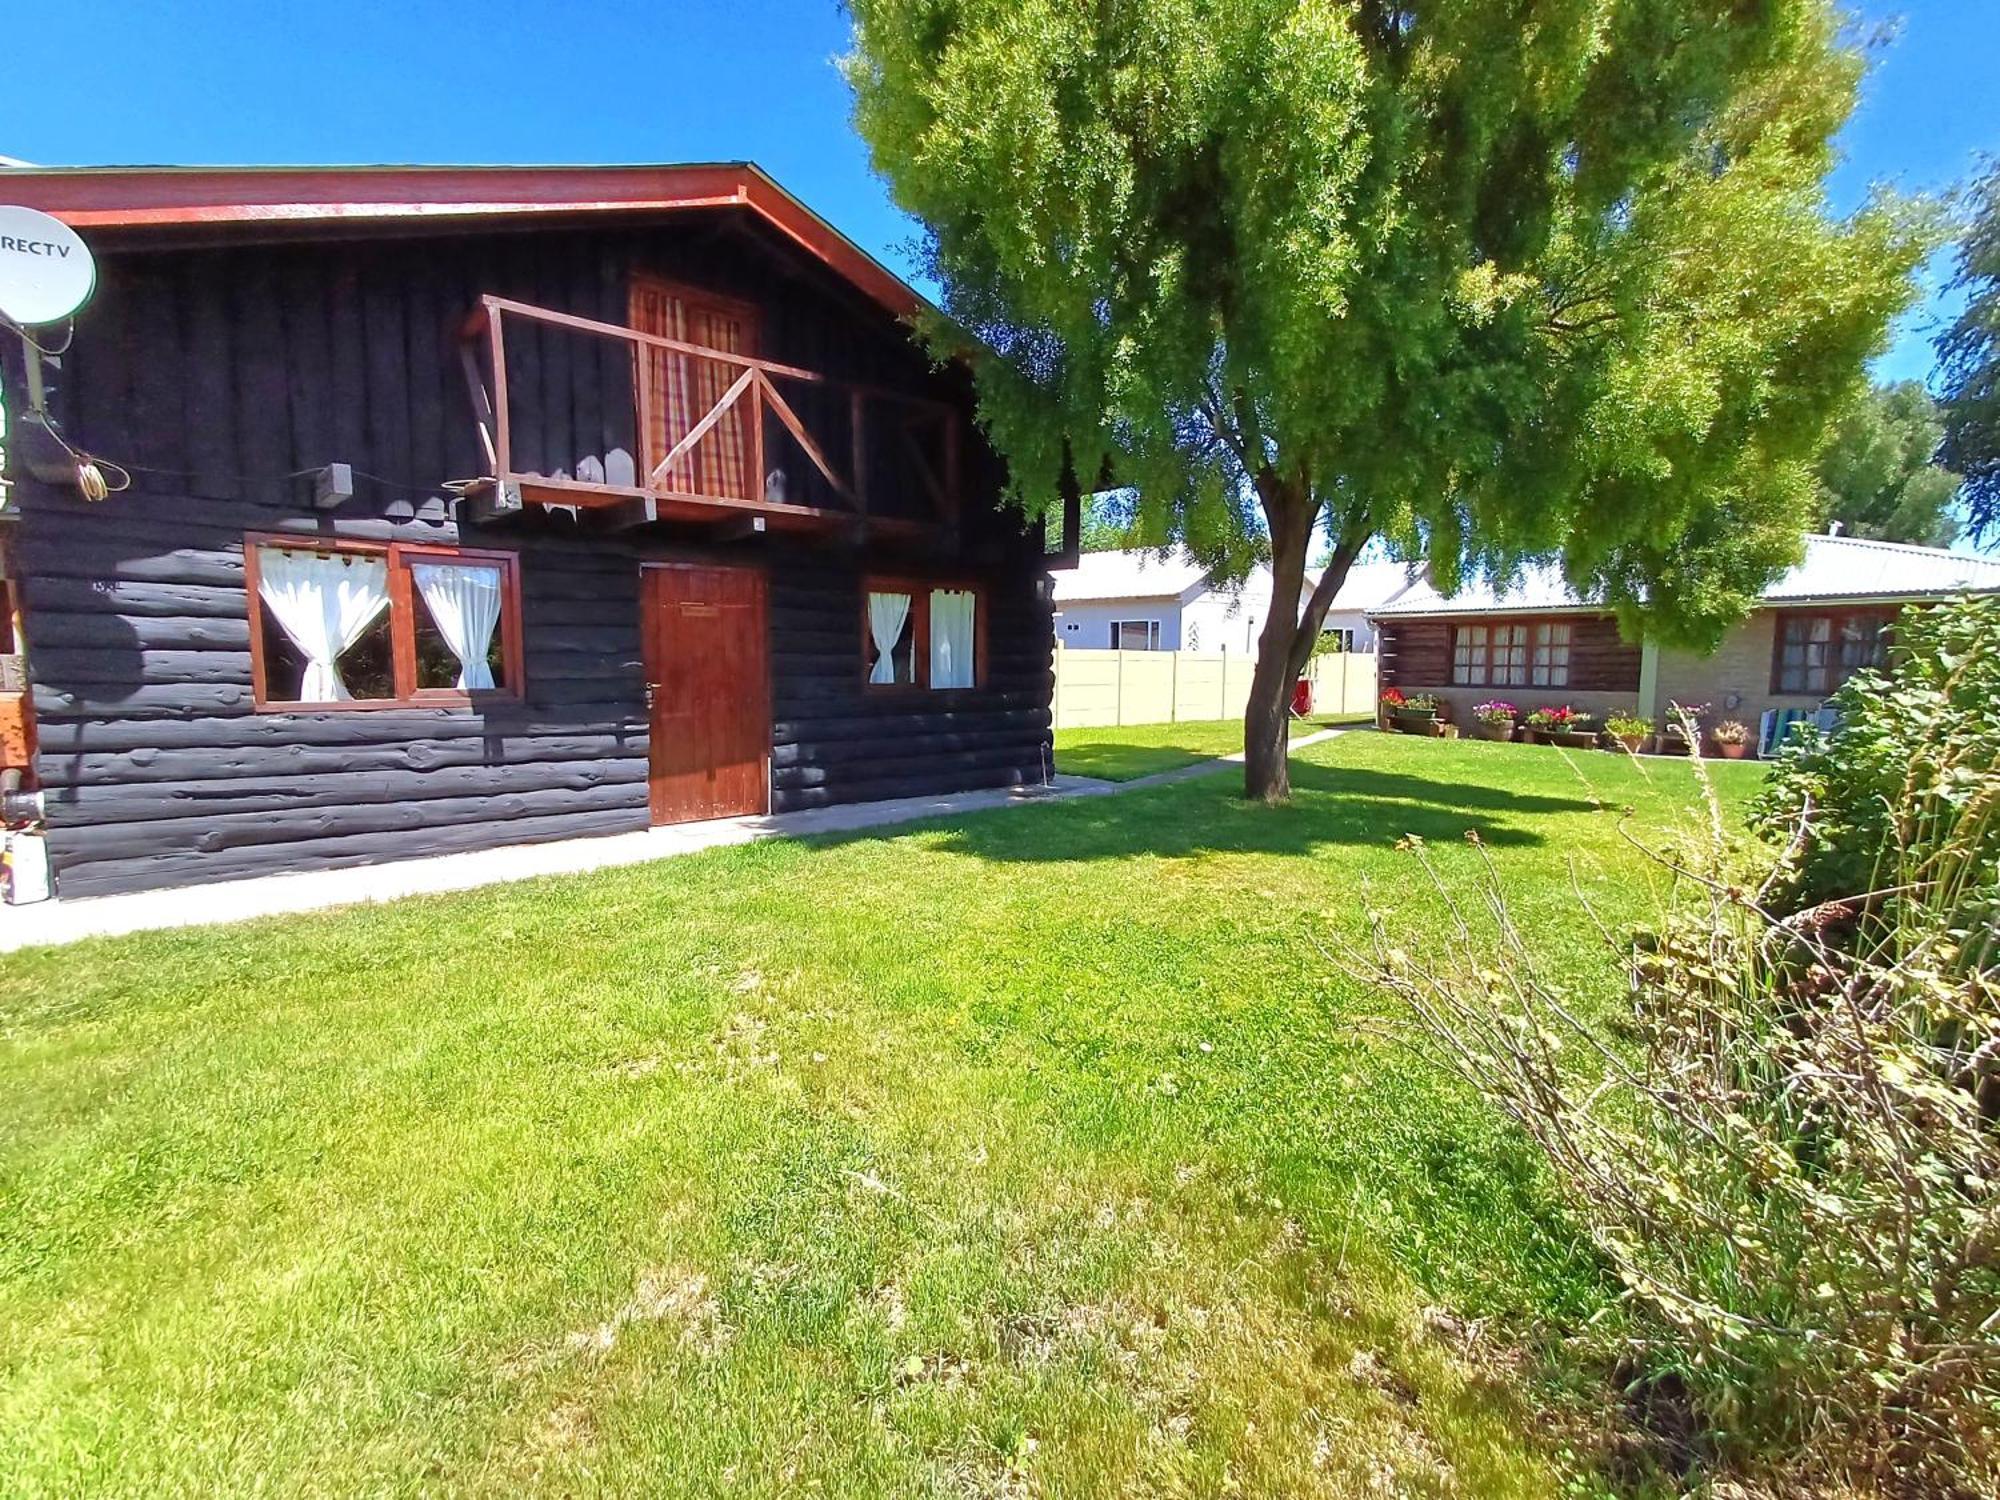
<point x="573" y="411"/>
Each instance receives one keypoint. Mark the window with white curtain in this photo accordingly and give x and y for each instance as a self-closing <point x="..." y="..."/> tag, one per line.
<point x="892" y="638"/>
<point x="1817" y="653"/>
<point x="920" y="634"/>
<point x="953" y="637"/>
<point x="336" y="624"/>
<point x="1551" y="654"/>
<point x="1468" y="655"/>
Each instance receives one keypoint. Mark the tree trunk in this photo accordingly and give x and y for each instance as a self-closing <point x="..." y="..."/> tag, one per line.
<point x="1285" y="644"/>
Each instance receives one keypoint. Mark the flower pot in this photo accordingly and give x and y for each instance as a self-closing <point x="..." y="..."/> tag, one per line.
<point x="1673" y="742"/>
<point x="1479" y="729"/>
<point x="1738" y="750"/>
<point x="1415" y="720"/>
<point x="1637" y="744"/>
<point x="1575" y="739"/>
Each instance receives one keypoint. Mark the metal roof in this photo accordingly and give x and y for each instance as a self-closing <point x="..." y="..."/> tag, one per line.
<point x="1835" y="568"/>
<point x="1170" y="573"/>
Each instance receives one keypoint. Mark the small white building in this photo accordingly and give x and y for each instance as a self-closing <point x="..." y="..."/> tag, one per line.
<point x="1163" y="600"/>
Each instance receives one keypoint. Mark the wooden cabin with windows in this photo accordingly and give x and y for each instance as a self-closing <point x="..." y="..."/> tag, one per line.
<point x="1537" y="645"/>
<point x="458" y="507"/>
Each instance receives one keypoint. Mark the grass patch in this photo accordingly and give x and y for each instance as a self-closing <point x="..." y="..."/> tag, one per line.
<point x="1029" y="1152"/>
<point x="1128" y="751"/>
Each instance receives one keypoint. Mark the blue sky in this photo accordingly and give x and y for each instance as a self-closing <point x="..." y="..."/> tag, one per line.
<point x="279" y="81"/>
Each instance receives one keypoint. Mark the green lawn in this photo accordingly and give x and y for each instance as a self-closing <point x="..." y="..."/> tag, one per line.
<point x="1129" y="751"/>
<point x="1038" y="1152"/>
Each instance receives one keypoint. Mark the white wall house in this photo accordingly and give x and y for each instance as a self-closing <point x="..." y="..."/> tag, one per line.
<point x="1148" y="600"/>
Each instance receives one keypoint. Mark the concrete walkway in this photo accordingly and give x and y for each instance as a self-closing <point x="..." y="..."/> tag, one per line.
<point x="51" y="922"/>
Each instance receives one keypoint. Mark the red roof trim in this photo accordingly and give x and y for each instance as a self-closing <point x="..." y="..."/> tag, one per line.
<point x="144" y="197"/>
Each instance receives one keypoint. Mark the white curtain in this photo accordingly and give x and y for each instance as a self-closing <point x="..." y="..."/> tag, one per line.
<point x="951" y="638"/>
<point x="325" y="601"/>
<point x="886" y="616"/>
<point x="464" y="601"/>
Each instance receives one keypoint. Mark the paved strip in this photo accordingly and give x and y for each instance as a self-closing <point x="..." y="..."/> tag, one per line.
<point x="52" y="922"/>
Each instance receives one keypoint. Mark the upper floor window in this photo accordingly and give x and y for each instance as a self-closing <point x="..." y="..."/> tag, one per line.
<point x="919" y="635"/>
<point x="1511" y="654"/>
<point x="336" y="624"/>
<point x="677" y="390"/>
<point x="1817" y="653"/>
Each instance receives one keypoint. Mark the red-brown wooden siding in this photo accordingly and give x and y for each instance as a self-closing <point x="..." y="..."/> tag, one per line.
<point x="1416" y="654"/>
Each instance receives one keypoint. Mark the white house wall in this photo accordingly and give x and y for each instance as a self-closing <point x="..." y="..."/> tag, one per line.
<point x="1211" y="621"/>
<point x="1085" y="625"/>
<point x="1216" y="620"/>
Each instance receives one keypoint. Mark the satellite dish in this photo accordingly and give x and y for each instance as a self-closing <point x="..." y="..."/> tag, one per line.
<point x="46" y="272"/>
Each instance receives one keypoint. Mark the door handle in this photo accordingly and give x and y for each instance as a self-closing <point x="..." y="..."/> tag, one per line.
<point x="652" y="689"/>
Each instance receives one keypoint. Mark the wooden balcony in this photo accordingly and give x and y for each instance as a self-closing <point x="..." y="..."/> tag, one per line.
<point x="635" y="428"/>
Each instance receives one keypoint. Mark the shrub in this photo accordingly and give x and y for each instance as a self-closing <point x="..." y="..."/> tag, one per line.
<point x="1495" y="711"/>
<point x="1625" y="725"/>
<point x="1914" y="760"/>
<point x="1792" y="1159"/>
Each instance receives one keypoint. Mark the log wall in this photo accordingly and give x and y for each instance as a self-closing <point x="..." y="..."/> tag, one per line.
<point x="218" y="374"/>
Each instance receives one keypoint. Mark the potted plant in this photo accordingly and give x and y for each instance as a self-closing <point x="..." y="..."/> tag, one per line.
<point x="1561" y="725"/>
<point x="1730" y="739"/>
<point x="1579" y="731"/>
<point x="1493" y="720"/>
<point x="1629" y="730"/>
<point x="1386" y="706"/>
<point x="1673" y="738"/>
<point x="1415" y="713"/>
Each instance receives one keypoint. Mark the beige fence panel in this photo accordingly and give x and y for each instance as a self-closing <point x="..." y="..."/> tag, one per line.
<point x="1095" y="688"/>
<point x="1087" y="688"/>
<point x="1343" y="683"/>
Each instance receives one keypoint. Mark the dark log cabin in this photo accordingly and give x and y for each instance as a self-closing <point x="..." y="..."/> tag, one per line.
<point x="479" y="506"/>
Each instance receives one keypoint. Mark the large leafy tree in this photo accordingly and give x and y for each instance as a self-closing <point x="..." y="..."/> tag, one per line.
<point x="1487" y="279"/>
<point x="1970" y="355"/>
<point x="1877" y="472"/>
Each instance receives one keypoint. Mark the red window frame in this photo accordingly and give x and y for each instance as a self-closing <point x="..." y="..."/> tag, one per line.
<point x="1836" y="671"/>
<point x="402" y="623"/>
<point x="1504" y="663"/>
<point x="920" y="590"/>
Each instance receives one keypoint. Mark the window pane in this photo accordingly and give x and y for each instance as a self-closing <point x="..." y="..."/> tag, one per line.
<point x="1551" y="656"/>
<point x="323" y="621"/>
<point x="473" y="599"/>
<point x="437" y="664"/>
<point x="1468" y="655"/>
<point x="368" y="667"/>
<point x="953" y="633"/>
<point x="1803" y="660"/>
<point x="1860" y="644"/>
<point x="883" y="610"/>
<point x="284" y="663"/>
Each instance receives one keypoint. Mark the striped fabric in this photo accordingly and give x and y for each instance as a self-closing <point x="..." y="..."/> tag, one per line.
<point x="680" y="389"/>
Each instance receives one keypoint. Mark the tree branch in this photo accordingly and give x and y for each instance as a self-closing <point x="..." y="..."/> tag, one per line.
<point x="1354" y="534"/>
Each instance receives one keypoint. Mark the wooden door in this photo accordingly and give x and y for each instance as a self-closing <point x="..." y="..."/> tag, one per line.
<point x="708" y="680"/>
